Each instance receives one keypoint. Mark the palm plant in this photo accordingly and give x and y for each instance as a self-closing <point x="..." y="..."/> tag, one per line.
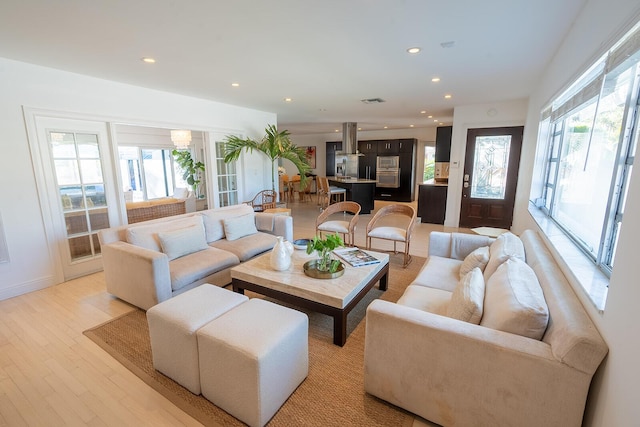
<point x="275" y="145"/>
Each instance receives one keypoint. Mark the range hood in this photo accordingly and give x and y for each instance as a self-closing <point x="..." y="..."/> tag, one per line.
<point x="349" y="138"/>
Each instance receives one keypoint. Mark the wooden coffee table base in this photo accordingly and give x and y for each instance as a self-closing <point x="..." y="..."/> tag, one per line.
<point x="339" y="314"/>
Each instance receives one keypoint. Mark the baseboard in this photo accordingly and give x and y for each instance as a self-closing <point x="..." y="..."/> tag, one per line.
<point x="24" y="288"/>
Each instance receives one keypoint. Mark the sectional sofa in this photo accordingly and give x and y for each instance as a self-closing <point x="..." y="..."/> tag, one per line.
<point x="505" y="343"/>
<point x="149" y="262"/>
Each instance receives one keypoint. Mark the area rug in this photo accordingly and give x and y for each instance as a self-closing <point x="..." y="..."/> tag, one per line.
<point x="333" y="393"/>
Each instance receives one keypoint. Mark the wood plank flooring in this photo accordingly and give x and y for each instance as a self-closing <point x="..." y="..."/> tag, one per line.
<point x="52" y="375"/>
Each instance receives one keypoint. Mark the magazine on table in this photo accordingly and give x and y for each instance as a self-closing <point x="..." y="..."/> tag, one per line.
<point x="356" y="257"/>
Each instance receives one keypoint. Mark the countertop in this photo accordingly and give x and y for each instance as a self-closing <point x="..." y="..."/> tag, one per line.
<point x="435" y="184"/>
<point x="348" y="180"/>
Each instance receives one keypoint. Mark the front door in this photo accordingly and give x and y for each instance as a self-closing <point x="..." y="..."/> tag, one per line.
<point x="490" y="177"/>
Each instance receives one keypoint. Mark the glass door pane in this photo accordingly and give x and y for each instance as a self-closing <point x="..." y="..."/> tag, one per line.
<point x="227" y="178"/>
<point x="78" y="173"/>
<point x="490" y="167"/>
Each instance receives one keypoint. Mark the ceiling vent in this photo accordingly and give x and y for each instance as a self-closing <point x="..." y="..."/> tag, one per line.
<point x="372" y="101"/>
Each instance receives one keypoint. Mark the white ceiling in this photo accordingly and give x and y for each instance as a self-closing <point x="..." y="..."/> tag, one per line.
<point x="326" y="55"/>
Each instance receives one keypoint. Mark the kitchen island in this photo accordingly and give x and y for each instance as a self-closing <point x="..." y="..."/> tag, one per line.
<point x="361" y="191"/>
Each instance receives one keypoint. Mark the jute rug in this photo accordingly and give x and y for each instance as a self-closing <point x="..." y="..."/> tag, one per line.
<point x="333" y="393"/>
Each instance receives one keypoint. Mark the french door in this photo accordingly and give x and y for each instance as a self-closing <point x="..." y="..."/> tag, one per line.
<point x="490" y="177"/>
<point x="79" y="190"/>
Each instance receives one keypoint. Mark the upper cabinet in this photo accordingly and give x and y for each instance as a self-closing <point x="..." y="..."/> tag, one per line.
<point x="443" y="143"/>
<point x="368" y="146"/>
<point x="388" y="147"/>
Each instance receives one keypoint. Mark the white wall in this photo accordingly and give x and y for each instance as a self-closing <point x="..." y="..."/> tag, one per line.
<point x="613" y="399"/>
<point x="508" y="113"/>
<point x="31" y="265"/>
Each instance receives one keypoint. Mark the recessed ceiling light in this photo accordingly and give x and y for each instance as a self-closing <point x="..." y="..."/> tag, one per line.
<point x="235" y="84"/>
<point x="423" y="112"/>
<point x="337" y="130"/>
<point x="440" y="123"/>
<point x="386" y="127"/>
<point x="447" y="96"/>
<point x="429" y="117"/>
<point x="148" y="60"/>
<point x="410" y="126"/>
<point x="288" y="100"/>
<point x="435" y="79"/>
<point x="414" y="50"/>
<point x="435" y="120"/>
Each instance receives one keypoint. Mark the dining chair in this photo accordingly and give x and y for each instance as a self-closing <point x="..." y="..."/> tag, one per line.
<point x="388" y="224"/>
<point x="327" y="221"/>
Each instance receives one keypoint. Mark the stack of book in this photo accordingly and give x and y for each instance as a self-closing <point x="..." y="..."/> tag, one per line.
<point x="356" y="257"/>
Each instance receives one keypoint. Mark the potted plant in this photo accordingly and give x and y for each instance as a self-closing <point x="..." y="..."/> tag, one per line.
<point x="275" y="145"/>
<point x="190" y="168"/>
<point x="324" y="247"/>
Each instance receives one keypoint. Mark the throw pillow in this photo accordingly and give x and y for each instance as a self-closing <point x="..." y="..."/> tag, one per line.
<point x="241" y="226"/>
<point x="467" y="298"/>
<point x="214" y="219"/>
<point x="183" y="241"/>
<point x="514" y="301"/>
<point x="477" y="258"/>
<point x="505" y="246"/>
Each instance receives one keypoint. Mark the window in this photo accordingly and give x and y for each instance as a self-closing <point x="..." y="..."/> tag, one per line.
<point x="429" y="163"/>
<point x="590" y="133"/>
<point x="148" y="173"/>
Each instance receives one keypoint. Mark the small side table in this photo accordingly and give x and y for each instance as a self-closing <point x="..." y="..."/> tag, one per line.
<point x="279" y="211"/>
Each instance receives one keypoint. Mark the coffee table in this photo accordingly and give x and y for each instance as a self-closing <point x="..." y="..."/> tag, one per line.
<point x="334" y="297"/>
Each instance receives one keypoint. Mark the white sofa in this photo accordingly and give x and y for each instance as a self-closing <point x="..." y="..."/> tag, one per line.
<point x="456" y="373"/>
<point x="149" y="262"/>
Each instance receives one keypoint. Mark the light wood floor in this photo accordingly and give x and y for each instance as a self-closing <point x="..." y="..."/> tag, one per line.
<point x="52" y="375"/>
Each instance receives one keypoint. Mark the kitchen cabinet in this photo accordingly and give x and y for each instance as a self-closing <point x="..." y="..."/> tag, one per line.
<point x="389" y="147"/>
<point x="332" y="148"/>
<point x="443" y="143"/>
<point x="366" y="147"/>
<point x="432" y="203"/>
<point x="367" y="166"/>
<point x="406" y="145"/>
<point x="361" y="191"/>
<point x="406" y="191"/>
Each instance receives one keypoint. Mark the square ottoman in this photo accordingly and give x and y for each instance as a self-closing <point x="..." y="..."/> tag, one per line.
<point x="172" y="327"/>
<point x="252" y="358"/>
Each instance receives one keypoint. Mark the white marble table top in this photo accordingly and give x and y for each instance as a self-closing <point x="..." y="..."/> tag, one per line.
<point x="336" y="292"/>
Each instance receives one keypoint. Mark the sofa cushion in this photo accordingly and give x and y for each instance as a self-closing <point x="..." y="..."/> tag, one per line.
<point x="198" y="265"/>
<point x="477" y="258"/>
<point x="240" y="226"/>
<point x="467" y="298"/>
<point x="426" y="299"/>
<point x="247" y="247"/>
<point x="514" y="301"/>
<point x="183" y="241"/>
<point x="213" y="219"/>
<point x="146" y="236"/>
<point x="505" y="246"/>
<point x="462" y="244"/>
<point x="439" y="272"/>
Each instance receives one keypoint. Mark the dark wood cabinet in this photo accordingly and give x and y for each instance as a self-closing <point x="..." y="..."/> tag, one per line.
<point x="359" y="192"/>
<point x="432" y="203"/>
<point x="406" y="145"/>
<point x="367" y="166"/>
<point x="443" y="143"/>
<point x="332" y="148"/>
<point x="388" y="147"/>
<point x="368" y="147"/>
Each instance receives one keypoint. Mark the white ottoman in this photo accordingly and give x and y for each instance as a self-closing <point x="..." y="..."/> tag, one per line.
<point x="173" y="324"/>
<point x="252" y="358"/>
